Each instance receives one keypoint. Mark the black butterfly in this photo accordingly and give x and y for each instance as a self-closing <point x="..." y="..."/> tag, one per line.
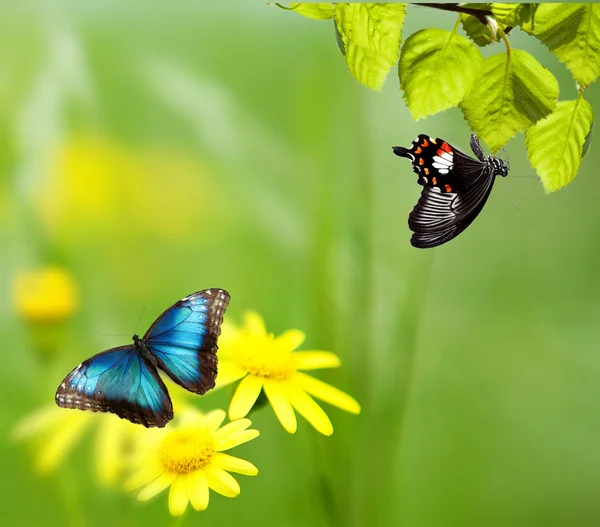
<point x="455" y="188"/>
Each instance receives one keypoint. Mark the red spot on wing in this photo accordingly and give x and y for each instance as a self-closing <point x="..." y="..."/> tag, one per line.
<point x="418" y="150"/>
<point x="448" y="188"/>
<point x="425" y="143"/>
<point x="421" y="161"/>
<point x="446" y="147"/>
<point x="434" y="181"/>
<point x="426" y="171"/>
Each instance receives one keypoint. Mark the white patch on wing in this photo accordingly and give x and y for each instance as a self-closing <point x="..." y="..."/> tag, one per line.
<point x="442" y="161"/>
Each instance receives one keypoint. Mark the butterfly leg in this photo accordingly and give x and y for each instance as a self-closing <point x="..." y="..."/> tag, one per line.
<point x="476" y="147"/>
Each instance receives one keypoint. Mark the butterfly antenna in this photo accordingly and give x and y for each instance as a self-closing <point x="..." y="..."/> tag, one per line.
<point x="528" y="176"/>
<point x="510" y="195"/>
<point x="139" y="319"/>
<point x="506" y="158"/>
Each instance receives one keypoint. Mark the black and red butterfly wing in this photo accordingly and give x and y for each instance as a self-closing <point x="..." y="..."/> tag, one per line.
<point x="440" y="165"/>
<point x="438" y="217"/>
<point x="455" y="188"/>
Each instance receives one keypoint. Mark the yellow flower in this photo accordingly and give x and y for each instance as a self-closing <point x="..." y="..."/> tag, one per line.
<point x="54" y="432"/>
<point x="190" y="459"/>
<point x="269" y="363"/>
<point x="44" y="295"/>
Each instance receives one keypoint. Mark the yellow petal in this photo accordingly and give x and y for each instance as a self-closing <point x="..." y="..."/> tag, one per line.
<point x="315" y="360"/>
<point x="198" y="490"/>
<point x="245" y="396"/>
<point x="41" y="421"/>
<point x="214" y="419"/>
<point x="254" y="324"/>
<point x="289" y="340"/>
<point x="234" y="434"/>
<point x="178" y="495"/>
<point x="109" y="446"/>
<point x="234" y="440"/>
<point x="281" y="406"/>
<point x="143" y="476"/>
<point x="326" y="392"/>
<point x="235" y="427"/>
<point x="228" y="372"/>
<point x="229" y="332"/>
<point x="234" y="464"/>
<point x="60" y="442"/>
<point x="309" y="409"/>
<point x="158" y="485"/>
<point x="188" y="417"/>
<point x="221" y="481"/>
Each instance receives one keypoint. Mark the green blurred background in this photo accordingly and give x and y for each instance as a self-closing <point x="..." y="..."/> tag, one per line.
<point x="156" y="149"/>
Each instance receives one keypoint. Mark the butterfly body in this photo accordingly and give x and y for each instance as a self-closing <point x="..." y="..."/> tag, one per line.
<point x="182" y="342"/>
<point x="455" y="188"/>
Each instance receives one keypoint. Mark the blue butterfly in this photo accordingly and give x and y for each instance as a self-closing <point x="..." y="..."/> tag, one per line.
<point x="182" y="342"/>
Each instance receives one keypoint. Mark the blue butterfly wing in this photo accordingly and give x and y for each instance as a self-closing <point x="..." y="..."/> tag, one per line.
<point x="119" y="381"/>
<point x="184" y="339"/>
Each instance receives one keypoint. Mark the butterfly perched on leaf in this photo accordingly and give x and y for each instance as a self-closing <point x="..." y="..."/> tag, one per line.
<point x="455" y="188"/>
<point x="182" y="342"/>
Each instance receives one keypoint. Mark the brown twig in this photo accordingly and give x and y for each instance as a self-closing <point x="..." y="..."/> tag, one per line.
<point x="479" y="14"/>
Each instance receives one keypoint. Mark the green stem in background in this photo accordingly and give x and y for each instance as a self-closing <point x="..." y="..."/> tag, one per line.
<point x="68" y="489"/>
<point x="410" y="321"/>
<point x="409" y="324"/>
<point x="180" y="521"/>
<point x="324" y="322"/>
<point x="363" y="218"/>
<point x="340" y="458"/>
<point x="362" y="362"/>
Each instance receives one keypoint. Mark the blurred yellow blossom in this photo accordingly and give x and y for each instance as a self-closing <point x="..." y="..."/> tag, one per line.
<point x="269" y="363"/>
<point x="48" y="294"/>
<point x="53" y="432"/>
<point x="96" y="185"/>
<point x="190" y="459"/>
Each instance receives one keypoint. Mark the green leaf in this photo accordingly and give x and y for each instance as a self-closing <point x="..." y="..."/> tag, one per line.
<point x="527" y="20"/>
<point x="436" y="69"/>
<point x="505" y="15"/>
<point x="511" y="15"/>
<point x="475" y="30"/>
<point x="314" y="11"/>
<point x="572" y="33"/>
<point x="556" y="144"/>
<point x="370" y="35"/>
<point x="510" y="93"/>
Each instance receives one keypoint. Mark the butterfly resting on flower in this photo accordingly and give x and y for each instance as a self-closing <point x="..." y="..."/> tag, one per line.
<point x="182" y="342"/>
<point x="455" y="188"/>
